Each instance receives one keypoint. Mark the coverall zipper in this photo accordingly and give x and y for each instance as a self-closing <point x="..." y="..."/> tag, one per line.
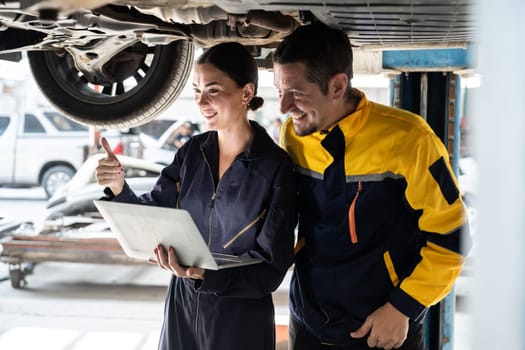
<point x="197" y="305"/>
<point x="213" y="195"/>
<point x="197" y="301"/>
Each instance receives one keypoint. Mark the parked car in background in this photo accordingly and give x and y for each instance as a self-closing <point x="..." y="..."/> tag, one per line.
<point x="76" y="197"/>
<point x="157" y="127"/>
<point x="157" y="149"/>
<point x="160" y="146"/>
<point x="40" y="148"/>
<point x="45" y="148"/>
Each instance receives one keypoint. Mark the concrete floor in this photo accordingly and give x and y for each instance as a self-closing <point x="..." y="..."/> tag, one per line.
<point x="74" y="306"/>
<point x="68" y="306"/>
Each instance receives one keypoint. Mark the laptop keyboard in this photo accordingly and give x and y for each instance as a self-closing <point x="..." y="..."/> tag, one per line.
<point x="226" y="259"/>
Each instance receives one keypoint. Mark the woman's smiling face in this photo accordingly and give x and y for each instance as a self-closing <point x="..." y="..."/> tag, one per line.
<point x="220" y="100"/>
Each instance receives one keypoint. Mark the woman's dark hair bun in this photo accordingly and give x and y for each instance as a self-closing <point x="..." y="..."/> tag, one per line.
<point x="256" y="103"/>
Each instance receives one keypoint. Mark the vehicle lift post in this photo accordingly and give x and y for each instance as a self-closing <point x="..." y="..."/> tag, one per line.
<point x="428" y="83"/>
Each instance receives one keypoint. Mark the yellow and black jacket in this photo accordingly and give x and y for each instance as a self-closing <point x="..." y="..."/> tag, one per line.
<point x="380" y="220"/>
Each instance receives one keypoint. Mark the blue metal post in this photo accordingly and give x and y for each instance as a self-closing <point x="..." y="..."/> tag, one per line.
<point x="439" y="326"/>
<point x="458" y="115"/>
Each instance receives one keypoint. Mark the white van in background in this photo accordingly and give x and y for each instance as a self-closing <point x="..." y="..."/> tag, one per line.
<point x="42" y="148"/>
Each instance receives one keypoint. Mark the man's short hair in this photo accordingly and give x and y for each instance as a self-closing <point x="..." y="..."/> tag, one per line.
<point x="325" y="52"/>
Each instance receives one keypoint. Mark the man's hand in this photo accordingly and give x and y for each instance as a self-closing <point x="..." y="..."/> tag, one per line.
<point x="109" y="172"/>
<point x="168" y="261"/>
<point x="386" y="328"/>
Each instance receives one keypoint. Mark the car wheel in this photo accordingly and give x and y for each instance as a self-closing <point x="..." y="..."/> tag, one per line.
<point x="140" y="82"/>
<point x="16" y="277"/>
<point x="56" y="177"/>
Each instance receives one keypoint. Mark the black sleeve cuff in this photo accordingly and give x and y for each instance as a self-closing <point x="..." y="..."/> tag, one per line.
<point x="213" y="282"/>
<point x="406" y="304"/>
<point x="108" y="194"/>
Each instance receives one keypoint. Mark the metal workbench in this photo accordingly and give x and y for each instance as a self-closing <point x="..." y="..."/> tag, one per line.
<point x="90" y="242"/>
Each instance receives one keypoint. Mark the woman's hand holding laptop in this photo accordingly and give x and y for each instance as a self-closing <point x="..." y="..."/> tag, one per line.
<point x="169" y="262"/>
<point x="109" y="173"/>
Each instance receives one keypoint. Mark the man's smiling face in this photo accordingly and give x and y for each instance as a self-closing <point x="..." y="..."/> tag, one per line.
<point x="301" y="99"/>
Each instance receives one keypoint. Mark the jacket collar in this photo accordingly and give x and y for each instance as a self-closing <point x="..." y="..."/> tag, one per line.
<point x="353" y="121"/>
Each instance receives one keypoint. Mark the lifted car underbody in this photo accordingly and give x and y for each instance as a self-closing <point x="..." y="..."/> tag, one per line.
<point x="121" y="63"/>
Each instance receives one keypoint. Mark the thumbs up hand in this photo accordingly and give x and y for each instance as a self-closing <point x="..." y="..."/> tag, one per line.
<point x="109" y="171"/>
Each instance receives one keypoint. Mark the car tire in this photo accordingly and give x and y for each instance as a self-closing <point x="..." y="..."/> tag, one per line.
<point x="16" y="278"/>
<point x="56" y="177"/>
<point x="160" y="73"/>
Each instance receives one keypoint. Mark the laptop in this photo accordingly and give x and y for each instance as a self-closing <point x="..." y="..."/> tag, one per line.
<point x="140" y="228"/>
